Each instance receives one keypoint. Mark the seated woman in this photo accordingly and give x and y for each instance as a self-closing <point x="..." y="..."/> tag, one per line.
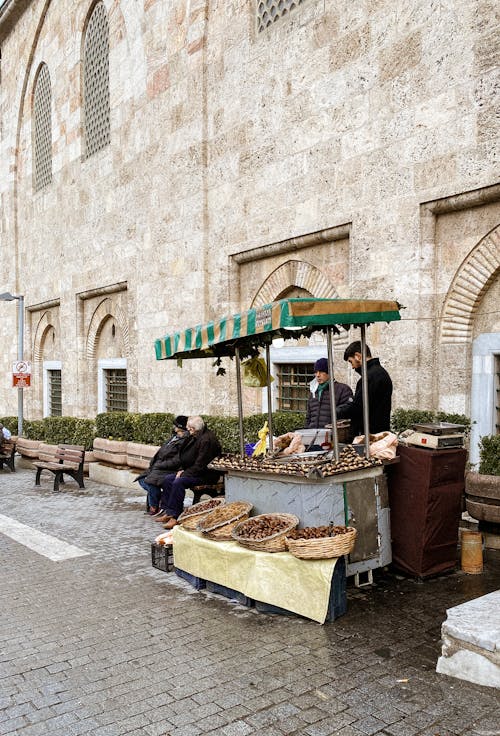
<point x="164" y="461"/>
<point x="201" y="448"/>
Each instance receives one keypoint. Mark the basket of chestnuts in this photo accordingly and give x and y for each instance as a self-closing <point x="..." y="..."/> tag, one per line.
<point x="321" y="542"/>
<point x="265" y="532"/>
<point x="219" y="523"/>
<point x="192" y="515"/>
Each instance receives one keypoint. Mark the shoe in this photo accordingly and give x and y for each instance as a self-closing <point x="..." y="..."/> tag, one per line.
<point x="170" y="524"/>
<point x="153" y="511"/>
<point x="165" y="517"/>
<point x="160" y="512"/>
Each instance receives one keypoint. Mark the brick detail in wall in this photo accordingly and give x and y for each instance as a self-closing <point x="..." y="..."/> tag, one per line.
<point x="472" y="280"/>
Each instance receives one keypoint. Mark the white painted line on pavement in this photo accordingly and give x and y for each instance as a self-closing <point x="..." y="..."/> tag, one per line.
<point x="43" y="544"/>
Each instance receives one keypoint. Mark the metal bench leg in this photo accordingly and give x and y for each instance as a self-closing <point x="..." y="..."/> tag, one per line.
<point x="38" y="474"/>
<point x="58" y="478"/>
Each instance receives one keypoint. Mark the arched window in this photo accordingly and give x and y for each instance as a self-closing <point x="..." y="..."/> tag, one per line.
<point x="96" y="82"/>
<point x="42" y="130"/>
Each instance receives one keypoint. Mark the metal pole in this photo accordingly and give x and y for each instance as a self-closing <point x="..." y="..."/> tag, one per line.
<point x="269" y="399"/>
<point x="364" y="392"/>
<point x="240" y="400"/>
<point x="20" y="356"/>
<point x="333" y="403"/>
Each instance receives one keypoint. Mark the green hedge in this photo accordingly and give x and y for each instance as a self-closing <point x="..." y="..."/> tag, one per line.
<point x="154" y="428"/>
<point x="61" y="430"/>
<point x="10" y="423"/>
<point x="489" y="455"/>
<point x="402" y="419"/>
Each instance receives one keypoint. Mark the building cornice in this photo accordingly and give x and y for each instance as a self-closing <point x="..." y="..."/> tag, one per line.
<point x="10" y="12"/>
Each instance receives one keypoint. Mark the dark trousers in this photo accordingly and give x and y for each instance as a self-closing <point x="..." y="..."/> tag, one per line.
<point x="173" y="492"/>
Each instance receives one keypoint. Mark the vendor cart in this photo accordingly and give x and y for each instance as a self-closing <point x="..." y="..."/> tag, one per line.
<point x="358" y="498"/>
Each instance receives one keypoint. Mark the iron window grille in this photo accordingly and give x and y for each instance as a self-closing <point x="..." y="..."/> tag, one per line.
<point x="116" y="389"/>
<point x="497" y="394"/>
<point x="42" y="130"/>
<point x="96" y="105"/>
<point x="293" y="386"/>
<point x="55" y="393"/>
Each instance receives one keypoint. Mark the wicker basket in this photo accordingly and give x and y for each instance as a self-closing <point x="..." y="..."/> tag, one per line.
<point x="324" y="547"/>
<point x="275" y="542"/>
<point x="192" y="515"/>
<point x="219" y="523"/>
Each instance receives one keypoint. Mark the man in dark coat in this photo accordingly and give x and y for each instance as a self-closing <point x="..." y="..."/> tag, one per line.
<point x="318" y="407"/>
<point x="201" y="448"/>
<point x="379" y="392"/>
<point x="164" y="461"/>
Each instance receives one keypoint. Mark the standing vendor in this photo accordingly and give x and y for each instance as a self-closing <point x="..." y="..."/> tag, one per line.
<point x="319" y="412"/>
<point x="379" y="392"/>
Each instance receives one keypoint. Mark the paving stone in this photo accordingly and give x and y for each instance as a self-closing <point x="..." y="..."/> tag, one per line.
<point x="143" y="653"/>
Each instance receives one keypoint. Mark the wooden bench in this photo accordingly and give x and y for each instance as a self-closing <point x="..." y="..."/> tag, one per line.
<point x="67" y="460"/>
<point x="208" y="489"/>
<point x="7" y="452"/>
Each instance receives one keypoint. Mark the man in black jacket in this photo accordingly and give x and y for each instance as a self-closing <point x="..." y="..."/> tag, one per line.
<point x="318" y="407"/>
<point x="379" y="392"/>
<point x="201" y="448"/>
<point x="164" y="461"/>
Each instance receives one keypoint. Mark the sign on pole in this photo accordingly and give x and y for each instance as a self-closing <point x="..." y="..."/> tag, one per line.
<point x="21" y="374"/>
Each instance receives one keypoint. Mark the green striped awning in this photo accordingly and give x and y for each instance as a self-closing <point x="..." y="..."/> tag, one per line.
<point x="259" y="326"/>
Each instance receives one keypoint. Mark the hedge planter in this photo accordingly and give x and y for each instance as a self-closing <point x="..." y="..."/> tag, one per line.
<point x="482" y="497"/>
<point x="28" y="448"/>
<point x="139" y="456"/>
<point x="111" y="452"/>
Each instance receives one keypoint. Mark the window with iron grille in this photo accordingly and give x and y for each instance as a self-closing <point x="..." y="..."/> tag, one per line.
<point x="270" y="11"/>
<point x="293" y="386"/>
<point x="54" y="393"/>
<point x="42" y="130"/>
<point x="116" y="389"/>
<point x="497" y="394"/>
<point x="96" y="104"/>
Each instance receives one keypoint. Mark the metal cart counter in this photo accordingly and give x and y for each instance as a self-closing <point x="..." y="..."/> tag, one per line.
<point x="359" y="498"/>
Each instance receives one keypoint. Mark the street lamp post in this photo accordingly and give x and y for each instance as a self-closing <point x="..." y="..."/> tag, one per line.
<point x="8" y="297"/>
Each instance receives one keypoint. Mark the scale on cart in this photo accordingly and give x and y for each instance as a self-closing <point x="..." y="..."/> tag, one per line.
<point x="435" y="435"/>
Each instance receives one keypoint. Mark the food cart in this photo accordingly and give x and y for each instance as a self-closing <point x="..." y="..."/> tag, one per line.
<point x="356" y="495"/>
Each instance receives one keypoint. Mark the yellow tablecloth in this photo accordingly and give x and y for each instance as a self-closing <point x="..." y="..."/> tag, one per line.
<point x="278" y="578"/>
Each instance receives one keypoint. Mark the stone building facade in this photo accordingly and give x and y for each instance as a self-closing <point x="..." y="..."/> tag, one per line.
<point x="165" y="162"/>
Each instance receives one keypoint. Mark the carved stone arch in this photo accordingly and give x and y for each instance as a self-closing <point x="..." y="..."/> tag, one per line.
<point x="42" y="328"/>
<point x="107" y="309"/>
<point x="294" y="273"/>
<point x="471" y="281"/>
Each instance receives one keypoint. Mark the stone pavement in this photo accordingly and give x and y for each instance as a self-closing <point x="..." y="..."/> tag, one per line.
<point x="105" y="645"/>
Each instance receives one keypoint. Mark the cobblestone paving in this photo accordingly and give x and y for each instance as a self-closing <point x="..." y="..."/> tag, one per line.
<point x="106" y="645"/>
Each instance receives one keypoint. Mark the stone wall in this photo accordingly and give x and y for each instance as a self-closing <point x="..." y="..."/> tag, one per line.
<point x="231" y="150"/>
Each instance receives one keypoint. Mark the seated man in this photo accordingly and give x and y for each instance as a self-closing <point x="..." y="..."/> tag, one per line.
<point x="201" y="448"/>
<point x="164" y="461"/>
<point x="5" y="433"/>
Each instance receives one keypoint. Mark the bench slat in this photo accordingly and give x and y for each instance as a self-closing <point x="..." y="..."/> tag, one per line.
<point x="67" y="459"/>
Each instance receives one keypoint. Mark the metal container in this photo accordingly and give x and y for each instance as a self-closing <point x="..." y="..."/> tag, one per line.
<point x="439" y="428"/>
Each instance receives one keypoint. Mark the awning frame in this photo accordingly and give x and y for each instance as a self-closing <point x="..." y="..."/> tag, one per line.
<point x="242" y="336"/>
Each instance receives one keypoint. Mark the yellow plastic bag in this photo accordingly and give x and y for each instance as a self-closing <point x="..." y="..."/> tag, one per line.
<point x="260" y="448"/>
<point x="255" y="372"/>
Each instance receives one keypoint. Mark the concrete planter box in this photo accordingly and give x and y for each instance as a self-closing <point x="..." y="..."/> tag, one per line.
<point x="112" y="452"/>
<point x="139" y="455"/>
<point x="28" y="448"/>
<point x="482" y="496"/>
